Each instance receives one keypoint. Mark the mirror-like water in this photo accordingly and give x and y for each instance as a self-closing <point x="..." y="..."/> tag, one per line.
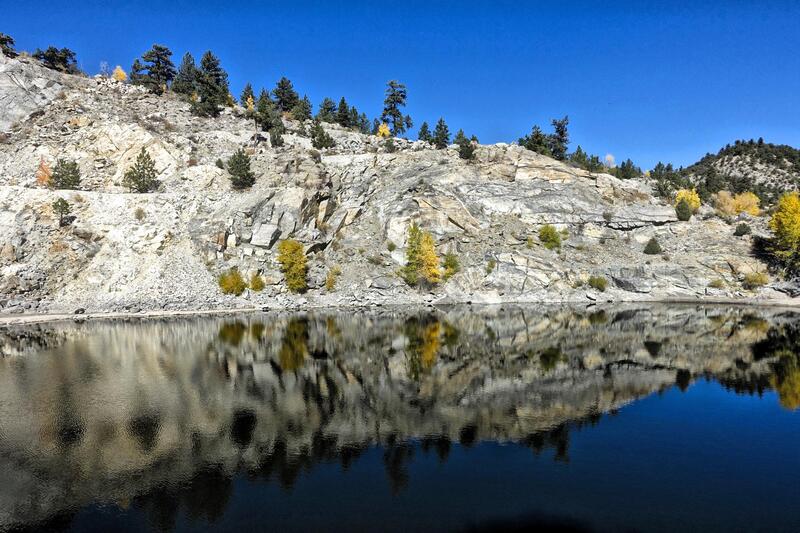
<point x="651" y="419"/>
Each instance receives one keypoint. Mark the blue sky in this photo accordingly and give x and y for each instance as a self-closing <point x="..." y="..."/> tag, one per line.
<point x="647" y="80"/>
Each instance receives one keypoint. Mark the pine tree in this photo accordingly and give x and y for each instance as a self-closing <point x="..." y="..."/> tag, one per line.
<point x="327" y="111"/>
<point x="285" y="95"/>
<point x="376" y="126"/>
<point x="302" y="109"/>
<point x="466" y="149"/>
<point x="363" y="124"/>
<point x="57" y="59"/>
<point x="441" y="135"/>
<point x="267" y="115"/>
<point x="247" y="95"/>
<point x="185" y="81"/>
<point x="343" y="113"/>
<point x="239" y="168"/>
<point x="137" y="72"/>
<point x="66" y="175"/>
<point x="319" y="137"/>
<point x="424" y="133"/>
<point x="160" y="69"/>
<point x="559" y="140"/>
<point x="460" y="138"/>
<point x="396" y="95"/>
<point x="7" y="45"/>
<point x="352" y="119"/>
<point x="536" y="142"/>
<point x="141" y="177"/>
<point x="62" y="209"/>
<point x="212" y="87"/>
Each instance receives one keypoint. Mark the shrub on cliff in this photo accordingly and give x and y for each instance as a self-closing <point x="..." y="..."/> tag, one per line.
<point x="257" y="282"/>
<point x="598" y="283"/>
<point x="689" y="196"/>
<point x="652" y="247"/>
<point x="742" y="230"/>
<point x="319" y="137"/>
<point x="293" y="264"/>
<point x="66" y="175"/>
<point x="549" y="237"/>
<point x="422" y="262"/>
<point x="239" y="169"/>
<point x="683" y="211"/>
<point x="141" y="177"/>
<point x="62" y="208"/>
<point x="232" y="282"/>
<point x="450" y="265"/>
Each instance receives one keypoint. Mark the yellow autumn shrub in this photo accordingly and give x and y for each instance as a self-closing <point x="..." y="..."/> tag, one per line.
<point x="785" y="226"/>
<point x="429" y="261"/>
<point x="689" y="196"/>
<point x="44" y="175"/>
<point x="747" y="202"/>
<point x="293" y="264"/>
<point x="119" y="74"/>
<point x="383" y="130"/>
<point x="232" y="282"/>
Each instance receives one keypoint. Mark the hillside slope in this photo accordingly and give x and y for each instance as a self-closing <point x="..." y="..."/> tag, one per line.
<point x="349" y="206"/>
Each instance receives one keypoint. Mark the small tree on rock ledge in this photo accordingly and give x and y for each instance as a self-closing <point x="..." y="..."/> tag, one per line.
<point x="239" y="167"/>
<point x="141" y="177"/>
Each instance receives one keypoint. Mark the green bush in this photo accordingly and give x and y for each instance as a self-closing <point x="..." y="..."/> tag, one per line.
<point x="391" y="246"/>
<point x="598" y="283"/>
<point x="450" y="265"/>
<point x="490" y="266"/>
<point x="742" y="230"/>
<point x="239" y="168"/>
<point x="141" y="177"/>
<point x="257" y="282"/>
<point x="66" y="175"/>
<point x="683" y="210"/>
<point x="549" y="237"/>
<point x="293" y="264"/>
<point x="652" y="247"/>
<point x="232" y="282"/>
<point x="220" y="164"/>
<point x="62" y="209"/>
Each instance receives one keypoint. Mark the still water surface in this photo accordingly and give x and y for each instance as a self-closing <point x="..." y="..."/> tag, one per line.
<point x="642" y="418"/>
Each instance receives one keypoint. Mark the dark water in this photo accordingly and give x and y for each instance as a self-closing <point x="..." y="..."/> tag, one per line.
<point x="649" y="419"/>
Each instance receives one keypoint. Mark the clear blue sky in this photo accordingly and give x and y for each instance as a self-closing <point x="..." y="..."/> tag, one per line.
<point x="646" y="80"/>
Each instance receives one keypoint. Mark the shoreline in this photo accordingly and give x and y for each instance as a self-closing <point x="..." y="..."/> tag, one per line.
<point x="789" y="304"/>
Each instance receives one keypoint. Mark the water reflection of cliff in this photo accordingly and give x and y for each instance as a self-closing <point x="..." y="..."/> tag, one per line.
<point x="161" y="414"/>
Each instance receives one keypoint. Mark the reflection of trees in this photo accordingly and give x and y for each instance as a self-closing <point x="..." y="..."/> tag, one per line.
<point x="232" y="332"/>
<point x="423" y="344"/>
<point x="294" y="348"/>
<point x="783" y="344"/>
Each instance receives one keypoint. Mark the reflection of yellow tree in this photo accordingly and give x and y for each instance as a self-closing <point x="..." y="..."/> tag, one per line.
<point x="232" y="333"/>
<point x="786" y="380"/>
<point x="423" y="346"/>
<point x="294" y="348"/>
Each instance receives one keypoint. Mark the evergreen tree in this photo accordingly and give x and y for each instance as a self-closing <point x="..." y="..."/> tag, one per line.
<point x="62" y="209"/>
<point x="7" y="45"/>
<point x="441" y="135"/>
<point x="159" y="67"/>
<point x="319" y="137"/>
<point x="343" y="113"/>
<point x="302" y="109"/>
<point x="352" y="120"/>
<point x="137" y="72"/>
<point x="66" y="175"/>
<point x="185" y="81"/>
<point x="627" y="170"/>
<point x="579" y="157"/>
<point x="247" y="96"/>
<point x="466" y="149"/>
<point x="327" y="110"/>
<point x="57" y="59"/>
<point x="363" y="124"/>
<point x="376" y="126"/>
<point x="212" y="87"/>
<point x="396" y="95"/>
<point x="536" y="142"/>
<point x="141" y="177"/>
<point x="239" y="168"/>
<point x="559" y="139"/>
<point x="285" y="95"/>
<point x="267" y="115"/>
<point x="424" y="133"/>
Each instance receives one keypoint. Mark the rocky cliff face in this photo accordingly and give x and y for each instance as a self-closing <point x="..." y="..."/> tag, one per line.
<point x="350" y="207"/>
